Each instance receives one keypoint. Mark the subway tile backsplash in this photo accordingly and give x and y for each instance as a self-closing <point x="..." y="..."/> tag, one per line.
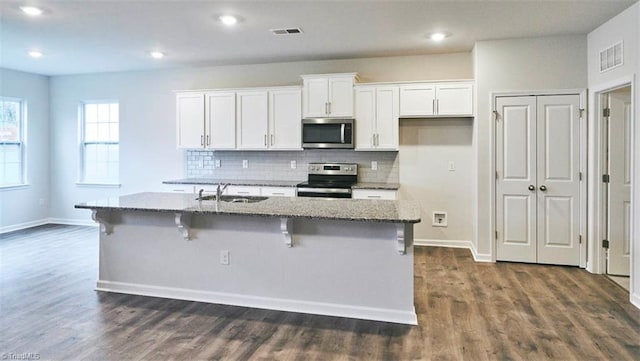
<point x="276" y="165"/>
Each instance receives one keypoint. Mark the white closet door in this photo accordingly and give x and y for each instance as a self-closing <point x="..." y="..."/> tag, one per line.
<point x="620" y="182"/>
<point x="558" y="158"/>
<point x="516" y="166"/>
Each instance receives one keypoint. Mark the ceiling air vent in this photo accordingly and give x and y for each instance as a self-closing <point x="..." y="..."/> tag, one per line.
<point x="611" y="57"/>
<point x="288" y="31"/>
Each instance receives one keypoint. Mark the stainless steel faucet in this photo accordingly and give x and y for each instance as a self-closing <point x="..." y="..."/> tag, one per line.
<point x="219" y="192"/>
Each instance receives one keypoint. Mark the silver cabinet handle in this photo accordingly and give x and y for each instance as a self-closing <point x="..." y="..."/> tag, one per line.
<point x="373" y="140"/>
<point x="272" y="139"/>
<point x="241" y="192"/>
<point x="433" y="105"/>
<point x="202" y="140"/>
<point x="329" y="107"/>
<point x="374" y="196"/>
<point x="437" y="106"/>
<point x="326" y="108"/>
<point x="342" y="126"/>
<point x="265" y="140"/>
<point x="277" y="193"/>
<point x="208" y="140"/>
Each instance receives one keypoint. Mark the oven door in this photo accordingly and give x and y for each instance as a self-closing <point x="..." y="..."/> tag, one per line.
<point x="324" y="192"/>
<point x="327" y="133"/>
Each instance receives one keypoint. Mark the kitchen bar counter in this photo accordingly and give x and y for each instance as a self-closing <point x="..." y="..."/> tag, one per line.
<point x="337" y="257"/>
<point x="401" y="211"/>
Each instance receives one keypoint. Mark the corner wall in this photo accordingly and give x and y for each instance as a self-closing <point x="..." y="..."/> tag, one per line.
<point x="28" y="206"/>
<point x="546" y="63"/>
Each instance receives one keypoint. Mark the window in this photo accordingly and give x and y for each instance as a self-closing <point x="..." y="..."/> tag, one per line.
<point x="99" y="142"/>
<point x="12" y="136"/>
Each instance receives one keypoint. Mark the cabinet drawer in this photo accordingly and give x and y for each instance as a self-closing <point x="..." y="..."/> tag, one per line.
<point x="278" y="192"/>
<point x="177" y="188"/>
<point x="242" y="191"/>
<point x="374" y="194"/>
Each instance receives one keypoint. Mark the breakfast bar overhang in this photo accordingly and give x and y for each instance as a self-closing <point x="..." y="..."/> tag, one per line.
<point x="346" y="258"/>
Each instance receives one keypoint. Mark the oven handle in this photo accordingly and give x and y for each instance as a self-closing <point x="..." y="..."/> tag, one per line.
<point x="325" y="190"/>
<point x="342" y="126"/>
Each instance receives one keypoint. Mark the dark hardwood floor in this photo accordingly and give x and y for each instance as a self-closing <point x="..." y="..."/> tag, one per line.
<point x="466" y="311"/>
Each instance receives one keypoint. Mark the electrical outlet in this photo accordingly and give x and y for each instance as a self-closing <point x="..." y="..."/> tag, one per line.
<point x="224" y="257"/>
<point x="217" y="163"/>
<point x="374" y="165"/>
<point x="201" y="163"/>
<point x="294" y="164"/>
<point x="452" y="166"/>
<point x="245" y="163"/>
<point x="439" y="219"/>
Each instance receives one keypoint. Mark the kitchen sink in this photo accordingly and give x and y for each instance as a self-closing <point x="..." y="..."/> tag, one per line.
<point x="234" y="199"/>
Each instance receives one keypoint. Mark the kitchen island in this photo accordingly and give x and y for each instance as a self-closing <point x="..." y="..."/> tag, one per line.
<point x="338" y="257"/>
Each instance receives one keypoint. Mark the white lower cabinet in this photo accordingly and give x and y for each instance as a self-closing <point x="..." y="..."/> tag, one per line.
<point x="386" y="194"/>
<point x="178" y="188"/>
<point x="278" y="191"/>
<point x="242" y="191"/>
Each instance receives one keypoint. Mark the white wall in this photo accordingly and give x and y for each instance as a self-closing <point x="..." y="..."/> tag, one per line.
<point x="516" y="65"/>
<point x="426" y="148"/>
<point x="147" y="151"/>
<point x="21" y="207"/>
<point x="626" y="27"/>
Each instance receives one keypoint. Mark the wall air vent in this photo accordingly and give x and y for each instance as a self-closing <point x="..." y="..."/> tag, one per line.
<point x="611" y="57"/>
<point x="287" y="31"/>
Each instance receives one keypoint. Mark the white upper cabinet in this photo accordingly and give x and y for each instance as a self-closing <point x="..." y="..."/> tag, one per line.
<point x="252" y="119"/>
<point x="328" y="95"/>
<point x="377" y="118"/>
<point x="285" y="115"/>
<point x="451" y="99"/>
<point x="190" y="120"/>
<point x="220" y="120"/>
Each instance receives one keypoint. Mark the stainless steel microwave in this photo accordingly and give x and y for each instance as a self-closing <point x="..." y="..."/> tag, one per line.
<point x="326" y="133"/>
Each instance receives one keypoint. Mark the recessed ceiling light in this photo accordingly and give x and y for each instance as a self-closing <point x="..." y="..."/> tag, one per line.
<point x="228" y="20"/>
<point x="31" y="10"/>
<point x="157" y="54"/>
<point x="35" y="54"/>
<point x="438" y="36"/>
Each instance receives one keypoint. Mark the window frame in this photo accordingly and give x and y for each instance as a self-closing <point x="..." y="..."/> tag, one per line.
<point x="82" y="145"/>
<point x="22" y="128"/>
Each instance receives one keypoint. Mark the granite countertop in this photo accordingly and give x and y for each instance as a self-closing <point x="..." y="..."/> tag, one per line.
<point x="274" y="183"/>
<point x="236" y="182"/>
<point x="401" y="211"/>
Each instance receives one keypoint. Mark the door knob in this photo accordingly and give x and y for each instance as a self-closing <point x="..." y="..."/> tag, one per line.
<point x="532" y="187"/>
<point x="543" y="188"/>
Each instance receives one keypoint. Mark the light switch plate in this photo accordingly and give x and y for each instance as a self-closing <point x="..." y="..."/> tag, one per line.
<point x="224" y="257"/>
<point x="374" y="165"/>
<point x="245" y="163"/>
<point x="294" y="164"/>
<point x="217" y="163"/>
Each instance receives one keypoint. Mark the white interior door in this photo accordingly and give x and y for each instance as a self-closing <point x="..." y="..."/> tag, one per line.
<point x="516" y="180"/>
<point x="558" y="179"/>
<point x="538" y="183"/>
<point x="619" y="187"/>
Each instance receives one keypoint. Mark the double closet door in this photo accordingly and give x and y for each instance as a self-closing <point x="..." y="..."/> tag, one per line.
<point x="538" y="179"/>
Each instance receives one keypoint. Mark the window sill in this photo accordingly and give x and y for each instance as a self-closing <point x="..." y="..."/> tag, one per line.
<point x="14" y="187"/>
<point x="98" y="185"/>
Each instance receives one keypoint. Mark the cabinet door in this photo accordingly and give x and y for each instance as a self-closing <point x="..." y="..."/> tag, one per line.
<point x="316" y="97"/>
<point x="190" y="120"/>
<point x="417" y="100"/>
<point x="365" y="118"/>
<point x="341" y="97"/>
<point x="285" y="119"/>
<point x="252" y="119"/>
<point x="220" y="121"/>
<point x="387" y="118"/>
<point x="454" y="99"/>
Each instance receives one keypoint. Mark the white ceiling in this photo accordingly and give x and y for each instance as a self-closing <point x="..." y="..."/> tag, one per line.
<point x="96" y="36"/>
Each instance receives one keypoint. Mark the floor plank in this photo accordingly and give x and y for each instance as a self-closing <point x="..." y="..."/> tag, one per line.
<point x="466" y="311"/>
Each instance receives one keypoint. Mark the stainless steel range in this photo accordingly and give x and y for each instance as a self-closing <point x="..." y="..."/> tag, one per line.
<point x="329" y="180"/>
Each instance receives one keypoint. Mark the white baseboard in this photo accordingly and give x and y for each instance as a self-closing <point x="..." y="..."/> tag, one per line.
<point x="72" y="222"/>
<point x="317" y="308"/>
<point x="635" y="300"/>
<point x="19" y="226"/>
<point x="454" y="244"/>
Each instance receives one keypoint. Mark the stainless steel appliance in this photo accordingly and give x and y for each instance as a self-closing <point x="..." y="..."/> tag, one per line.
<point x="329" y="180"/>
<point x="328" y="133"/>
